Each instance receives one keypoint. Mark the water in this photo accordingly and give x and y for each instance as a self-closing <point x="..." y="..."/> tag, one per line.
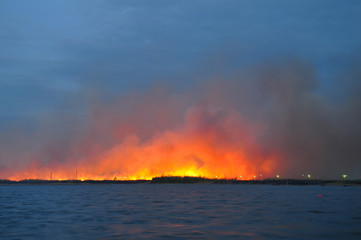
<point x="195" y="211"/>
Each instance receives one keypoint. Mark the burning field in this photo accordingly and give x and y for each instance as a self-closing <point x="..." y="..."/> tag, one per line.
<point x="254" y="124"/>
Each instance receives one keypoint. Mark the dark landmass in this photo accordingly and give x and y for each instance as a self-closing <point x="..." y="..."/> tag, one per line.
<point x="190" y="180"/>
<point x="269" y="181"/>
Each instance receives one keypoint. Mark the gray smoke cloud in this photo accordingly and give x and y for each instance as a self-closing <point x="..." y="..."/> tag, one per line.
<point x="279" y="103"/>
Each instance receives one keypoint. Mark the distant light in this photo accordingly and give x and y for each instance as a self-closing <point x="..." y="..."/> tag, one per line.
<point x="254" y="176"/>
<point x="344" y="175"/>
<point x="240" y="176"/>
<point x="309" y="175"/>
<point x="260" y="175"/>
<point x="277" y="176"/>
<point x="303" y="175"/>
<point x="216" y="176"/>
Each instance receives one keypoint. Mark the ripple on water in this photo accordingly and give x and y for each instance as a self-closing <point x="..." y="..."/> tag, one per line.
<point x="176" y="211"/>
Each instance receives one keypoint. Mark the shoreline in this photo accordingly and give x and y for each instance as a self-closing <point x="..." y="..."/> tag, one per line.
<point x="190" y="180"/>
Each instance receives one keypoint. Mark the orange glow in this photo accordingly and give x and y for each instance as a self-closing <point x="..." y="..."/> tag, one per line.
<point x="222" y="148"/>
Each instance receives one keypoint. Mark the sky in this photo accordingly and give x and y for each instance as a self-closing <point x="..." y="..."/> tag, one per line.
<point x="62" y="58"/>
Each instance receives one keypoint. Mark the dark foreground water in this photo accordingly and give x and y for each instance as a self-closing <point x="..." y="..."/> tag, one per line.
<point x="195" y="211"/>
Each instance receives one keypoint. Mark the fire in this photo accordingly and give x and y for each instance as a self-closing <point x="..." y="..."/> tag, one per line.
<point x="211" y="143"/>
<point x="265" y="124"/>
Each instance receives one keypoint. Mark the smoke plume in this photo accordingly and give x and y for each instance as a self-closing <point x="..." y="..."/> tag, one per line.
<point x="257" y="123"/>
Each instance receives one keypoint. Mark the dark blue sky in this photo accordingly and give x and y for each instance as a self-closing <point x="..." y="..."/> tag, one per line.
<point x="51" y="51"/>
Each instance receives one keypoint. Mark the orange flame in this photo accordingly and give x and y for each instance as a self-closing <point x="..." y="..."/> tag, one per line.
<point x="210" y="143"/>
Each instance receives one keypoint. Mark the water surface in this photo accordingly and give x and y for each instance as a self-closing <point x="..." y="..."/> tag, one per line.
<point x="178" y="211"/>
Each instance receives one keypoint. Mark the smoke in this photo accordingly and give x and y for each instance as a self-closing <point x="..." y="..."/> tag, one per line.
<point x="265" y="121"/>
<point x="315" y="134"/>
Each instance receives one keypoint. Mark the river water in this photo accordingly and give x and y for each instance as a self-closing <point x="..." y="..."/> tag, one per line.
<point x="179" y="211"/>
